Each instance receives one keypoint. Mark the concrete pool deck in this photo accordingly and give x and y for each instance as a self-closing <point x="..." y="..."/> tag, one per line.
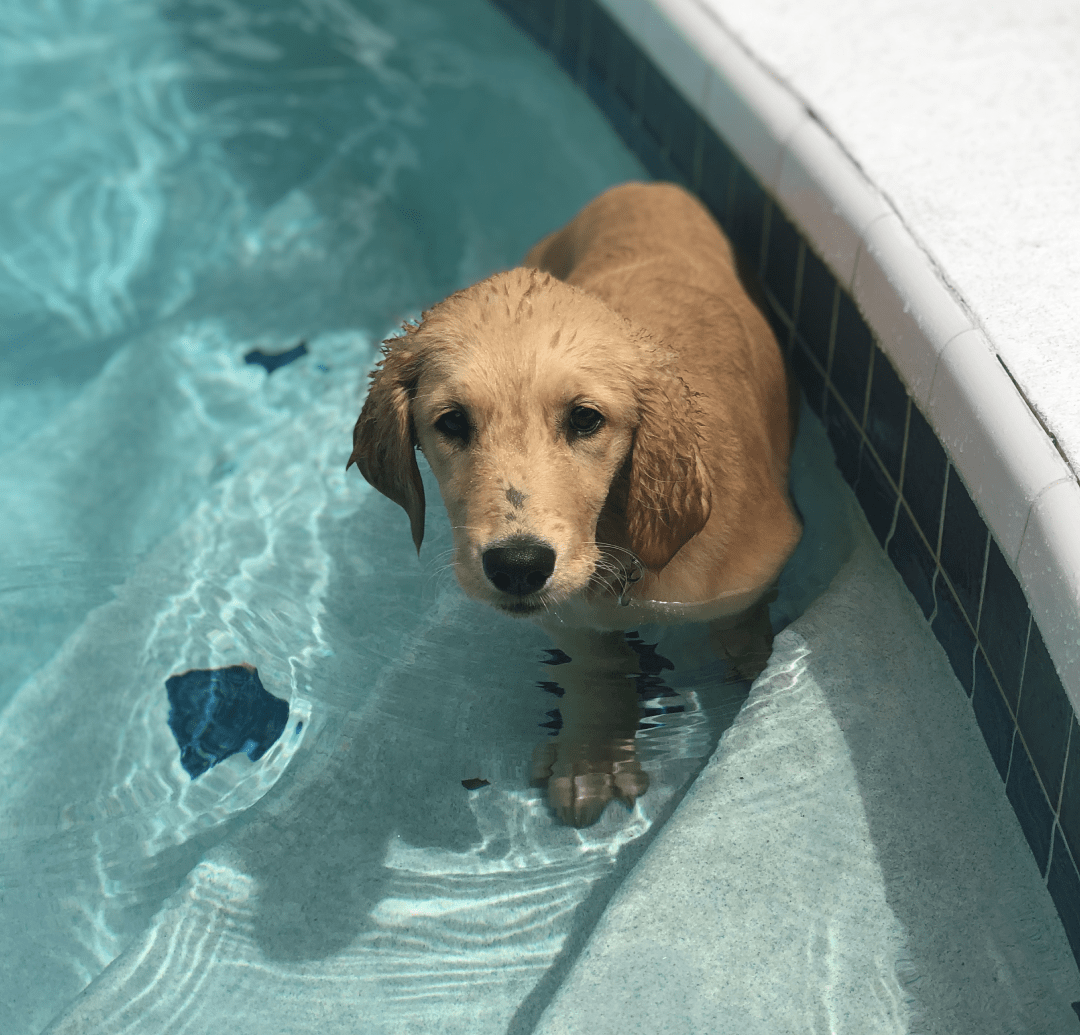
<point x="966" y="116"/>
<point x="929" y="152"/>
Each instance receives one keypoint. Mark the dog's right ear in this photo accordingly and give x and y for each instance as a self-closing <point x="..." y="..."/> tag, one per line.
<point x="669" y="498"/>
<point x="384" y="442"/>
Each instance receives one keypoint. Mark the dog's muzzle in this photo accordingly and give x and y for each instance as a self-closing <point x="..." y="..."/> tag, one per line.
<point x="519" y="566"/>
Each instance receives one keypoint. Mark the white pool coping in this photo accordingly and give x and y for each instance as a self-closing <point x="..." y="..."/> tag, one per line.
<point x="1024" y="488"/>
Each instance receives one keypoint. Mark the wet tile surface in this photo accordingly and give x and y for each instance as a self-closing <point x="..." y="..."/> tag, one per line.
<point x="850" y="368"/>
<point x="963" y="546"/>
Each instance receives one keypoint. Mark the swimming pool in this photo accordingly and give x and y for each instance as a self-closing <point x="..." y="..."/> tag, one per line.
<point x="191" y="183"/>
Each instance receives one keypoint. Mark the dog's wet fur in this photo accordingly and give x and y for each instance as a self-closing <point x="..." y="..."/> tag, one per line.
<point x="610" y="426"/>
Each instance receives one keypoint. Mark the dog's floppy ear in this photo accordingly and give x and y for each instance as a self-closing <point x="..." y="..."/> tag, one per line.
<point x="668" y="498"/>
<point x="384" y="442"/>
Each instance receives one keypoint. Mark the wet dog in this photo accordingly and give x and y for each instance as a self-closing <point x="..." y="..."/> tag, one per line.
<point x="610" y="426"/>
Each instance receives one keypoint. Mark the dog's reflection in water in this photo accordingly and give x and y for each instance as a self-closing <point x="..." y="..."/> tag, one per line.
<point x="610" y="426"/>
<point x="593" y="759"/>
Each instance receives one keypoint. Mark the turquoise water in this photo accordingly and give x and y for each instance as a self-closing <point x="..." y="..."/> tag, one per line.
<point x="183" y="184"/>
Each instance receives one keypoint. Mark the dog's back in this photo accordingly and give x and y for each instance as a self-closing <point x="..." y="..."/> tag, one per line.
<point x="654" y="254"/>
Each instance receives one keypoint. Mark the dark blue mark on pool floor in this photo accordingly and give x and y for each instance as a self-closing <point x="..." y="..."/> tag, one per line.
<point x="273" y="360"/>
<point x="554" y="656"/>
<point x="214" y="713"/>
<point x="650" y="682"/>
<point x="554" y="723"/>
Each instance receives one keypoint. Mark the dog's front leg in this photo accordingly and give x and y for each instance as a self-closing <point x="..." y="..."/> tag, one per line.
<point x="592" y="760"/>
<point x="745" y="641"/>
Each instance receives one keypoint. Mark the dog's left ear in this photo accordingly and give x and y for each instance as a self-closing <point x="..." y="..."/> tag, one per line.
<point x="384" y="441"/>
<point x="669" y="498"/>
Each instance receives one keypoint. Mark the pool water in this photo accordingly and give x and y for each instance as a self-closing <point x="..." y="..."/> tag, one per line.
<point x="189" y="183"/>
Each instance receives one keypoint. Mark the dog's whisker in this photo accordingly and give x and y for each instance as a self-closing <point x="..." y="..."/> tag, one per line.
<point x="603" y="585"/>
<point x="438" y="576"/>
<point x="624" y="574"/>
<point x="612" y="548"/>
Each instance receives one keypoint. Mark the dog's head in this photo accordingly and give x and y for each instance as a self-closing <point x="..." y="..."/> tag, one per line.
<point x="561" y="439"/>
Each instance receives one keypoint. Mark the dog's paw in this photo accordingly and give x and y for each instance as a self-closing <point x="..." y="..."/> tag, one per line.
<point x="746" y="645"/>
<point x="582" y="778"/>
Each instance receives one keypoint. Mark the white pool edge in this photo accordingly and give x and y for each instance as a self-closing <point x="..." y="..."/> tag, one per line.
<point x="1027" y="494"/>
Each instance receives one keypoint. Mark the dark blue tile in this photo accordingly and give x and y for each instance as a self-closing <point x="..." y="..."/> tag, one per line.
<point x="876" y="496"/>
<point x="954" y="634"/>
<point x="1003" y="623"/>
<point x="924" y="476"/>
<point x="1045" y="714"/>
<point x="746" y="215"/>
<point x="623" y="59"/>
<point x="992" y="714"/>
<point x="782" y="260"/>
<point x="1030" y="804"/>
<point x="612" y="82"/>
<point x="612" y="106"/>
<point x="536" y="17"/>
<point x="216" y="713"/>
<point x="1069" y="808"/>
<point x="602" y="33"/>
<point x="886" y="416"/>
<point x="1063" y="883"/>
<point x="714" y="178"/>
<point x="685" y="150"/>
<point x="850" y="367"/>
<point x="817" y="297"/>
<point x="569" y="35"/>
<point x="650" y="154"/>
<point x="914" y="562"/>
<point x="656" y="103"/>
<point x="810" y="377"/>
<point x="845" y="438"/>
<point x="777" y="321"/>
<point x="963" y="546"/>
<point x="669" y="120"/>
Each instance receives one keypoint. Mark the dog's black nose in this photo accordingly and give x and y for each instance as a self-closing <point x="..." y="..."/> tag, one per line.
<point x="520" y="566"/>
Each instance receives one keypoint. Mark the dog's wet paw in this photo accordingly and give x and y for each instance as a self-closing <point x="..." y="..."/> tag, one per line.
<point x="582" y="778"/>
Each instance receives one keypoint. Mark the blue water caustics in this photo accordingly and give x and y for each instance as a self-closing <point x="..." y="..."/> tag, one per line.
<point x="215" y="713"/>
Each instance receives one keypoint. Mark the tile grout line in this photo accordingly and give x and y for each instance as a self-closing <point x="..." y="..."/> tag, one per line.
<point x="834" y="319"/>
<point x="900" y="483"/>
<point x="1056" y="827"/>
<point x="975" y="629"/>
<point x="796" y="306"/>
<point x="1016" y="717"/>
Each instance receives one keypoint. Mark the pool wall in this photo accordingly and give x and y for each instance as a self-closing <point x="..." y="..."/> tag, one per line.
<point x="964" y="489"/>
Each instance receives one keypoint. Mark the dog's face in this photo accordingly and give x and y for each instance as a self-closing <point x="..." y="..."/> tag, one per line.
<point x="525" y="443"/>
<point x="534" y="404"/>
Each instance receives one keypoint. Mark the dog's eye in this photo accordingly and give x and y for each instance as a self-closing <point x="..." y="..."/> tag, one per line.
<point x="453" y="424"/>
<point x="584" y="420"/>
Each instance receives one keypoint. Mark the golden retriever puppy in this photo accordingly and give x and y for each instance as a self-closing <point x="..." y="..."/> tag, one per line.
<point x="610" y="426"/>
